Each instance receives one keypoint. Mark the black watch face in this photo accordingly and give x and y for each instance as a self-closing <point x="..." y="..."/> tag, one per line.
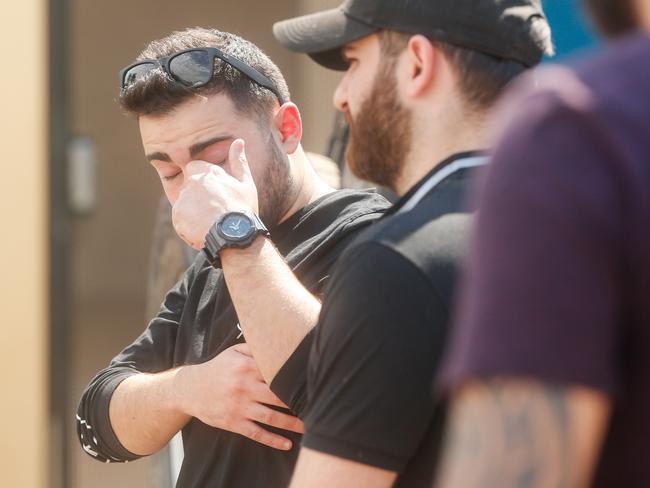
<point x="236" y="226"/>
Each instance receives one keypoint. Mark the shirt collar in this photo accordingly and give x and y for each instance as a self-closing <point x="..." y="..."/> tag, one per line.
<point x="439" y="173"/>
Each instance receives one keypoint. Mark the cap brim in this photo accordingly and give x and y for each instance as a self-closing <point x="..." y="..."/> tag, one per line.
<point x="322" y="35"/>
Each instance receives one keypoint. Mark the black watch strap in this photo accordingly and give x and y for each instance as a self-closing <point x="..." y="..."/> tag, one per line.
<point x="216" y="240"/>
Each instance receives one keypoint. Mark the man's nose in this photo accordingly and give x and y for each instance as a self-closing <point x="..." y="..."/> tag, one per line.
<point x="341" y="96"/>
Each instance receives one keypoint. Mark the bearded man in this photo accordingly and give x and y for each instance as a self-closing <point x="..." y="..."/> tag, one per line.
<point x="420" y="79"/>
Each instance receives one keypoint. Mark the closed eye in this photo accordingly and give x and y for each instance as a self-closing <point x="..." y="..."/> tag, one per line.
<point x="169" y="178"/>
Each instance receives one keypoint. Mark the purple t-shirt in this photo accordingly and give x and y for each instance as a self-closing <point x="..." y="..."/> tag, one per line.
<point x="558" y="284"/>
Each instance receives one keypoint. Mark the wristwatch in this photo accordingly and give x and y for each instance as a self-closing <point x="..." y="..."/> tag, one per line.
<point x="235" y="229"/>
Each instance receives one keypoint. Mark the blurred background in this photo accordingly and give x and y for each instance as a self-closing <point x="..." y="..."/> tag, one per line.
<point x="82" y="270"/>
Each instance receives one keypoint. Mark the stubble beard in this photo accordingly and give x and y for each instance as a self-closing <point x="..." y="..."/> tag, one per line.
<point x="277" y="188"/>
<point x="380" y="134"/>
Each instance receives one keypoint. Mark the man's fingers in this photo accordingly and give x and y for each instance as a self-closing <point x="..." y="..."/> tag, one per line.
<point x="262" y="393"/>
<point x="238" y="161"/>
<point x="268" y="416"/>
<point x="258" y="434"/>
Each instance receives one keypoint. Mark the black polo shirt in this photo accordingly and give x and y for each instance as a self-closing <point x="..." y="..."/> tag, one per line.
<point x="197" y="321"/>
<point x="383" y="327"/>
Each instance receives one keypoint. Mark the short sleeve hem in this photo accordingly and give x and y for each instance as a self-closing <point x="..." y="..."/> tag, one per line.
<point x="353" y="452"/>
<point x="290" y="382"/>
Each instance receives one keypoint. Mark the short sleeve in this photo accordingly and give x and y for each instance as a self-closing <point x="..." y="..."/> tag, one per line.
<point x="378" y="342"/>
<point x="542" y="295"/>
<point x="290" y="384"/>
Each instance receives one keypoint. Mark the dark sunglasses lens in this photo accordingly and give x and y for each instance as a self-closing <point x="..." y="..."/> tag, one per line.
<point x="192" y="68"/>
<point x="136" y="73"/>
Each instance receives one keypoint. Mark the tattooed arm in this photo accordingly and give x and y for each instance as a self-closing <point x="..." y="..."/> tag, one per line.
<point x="515" y="433"/>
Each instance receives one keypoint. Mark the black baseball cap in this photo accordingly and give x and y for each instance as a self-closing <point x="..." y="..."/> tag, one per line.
<point x="514" y="30"/>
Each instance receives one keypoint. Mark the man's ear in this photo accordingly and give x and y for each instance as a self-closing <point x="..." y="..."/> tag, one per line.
<point x="288" y="122"/>
<point x="421" y="60"/>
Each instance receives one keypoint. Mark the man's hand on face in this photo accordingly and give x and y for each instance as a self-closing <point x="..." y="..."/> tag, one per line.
<point x="229" y="393"/>
<point x="209" y="192"/>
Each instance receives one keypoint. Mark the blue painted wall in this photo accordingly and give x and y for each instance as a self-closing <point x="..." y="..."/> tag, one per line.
<point x="571" y="29"/>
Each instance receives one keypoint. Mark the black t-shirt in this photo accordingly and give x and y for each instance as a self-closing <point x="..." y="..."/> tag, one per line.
<point x="558" y="286"/>
<point x="382" y="330"/>
<point x="197" y="321"/>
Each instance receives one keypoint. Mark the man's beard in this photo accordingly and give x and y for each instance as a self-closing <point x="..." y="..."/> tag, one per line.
<point x="614" y="17"/>
<point x="276" y="187"/>
<point x="380" y="134"/>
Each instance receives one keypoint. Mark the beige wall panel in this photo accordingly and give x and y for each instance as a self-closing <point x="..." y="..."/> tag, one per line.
<point x="23" y="206"/>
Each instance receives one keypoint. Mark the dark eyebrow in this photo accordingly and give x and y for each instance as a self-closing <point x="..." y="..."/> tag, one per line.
<point x="200" y="146"/>
<point x="158" y="156"/>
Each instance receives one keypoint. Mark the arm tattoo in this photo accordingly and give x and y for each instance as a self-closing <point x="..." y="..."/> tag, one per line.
<point x="509" y="435"/>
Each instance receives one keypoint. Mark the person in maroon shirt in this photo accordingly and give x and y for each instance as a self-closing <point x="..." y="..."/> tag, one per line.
<point x="550" y="359"/>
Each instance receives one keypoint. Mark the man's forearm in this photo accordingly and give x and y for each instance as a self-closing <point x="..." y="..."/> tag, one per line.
<point x="517" y="433"/>
<point x="144" y="413"/>
<point x="275" y="310"/>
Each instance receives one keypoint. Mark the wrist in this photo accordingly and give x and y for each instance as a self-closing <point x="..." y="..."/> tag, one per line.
<point x="178" y="394"/>
<point x="234" y="230"/>
<point x="244" y="259"/>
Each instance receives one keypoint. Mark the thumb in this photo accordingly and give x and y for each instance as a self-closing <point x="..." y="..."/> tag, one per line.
<point x="238" y="161"/>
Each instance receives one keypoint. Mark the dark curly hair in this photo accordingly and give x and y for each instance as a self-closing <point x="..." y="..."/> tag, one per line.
<point x="157" y="94"/>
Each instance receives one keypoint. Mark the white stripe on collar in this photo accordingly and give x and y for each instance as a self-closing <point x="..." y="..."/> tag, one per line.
<point x="441" y="175"/>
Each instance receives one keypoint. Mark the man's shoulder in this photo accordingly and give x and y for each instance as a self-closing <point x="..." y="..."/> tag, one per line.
<point x="431" y="241"/>
<point x="426" y="231"/>
<point x="339" y="216"/>
<point x="349" y="204"/>
<point x="620" y="67"/>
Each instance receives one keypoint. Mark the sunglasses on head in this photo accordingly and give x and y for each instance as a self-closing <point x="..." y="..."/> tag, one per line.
<point x="193" y="68"/>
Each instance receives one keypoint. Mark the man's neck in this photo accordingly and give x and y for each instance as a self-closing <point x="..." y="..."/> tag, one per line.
<point x="643" y="10"/>
<point x="310" y="186"/>
<point x="431" y="147"/>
